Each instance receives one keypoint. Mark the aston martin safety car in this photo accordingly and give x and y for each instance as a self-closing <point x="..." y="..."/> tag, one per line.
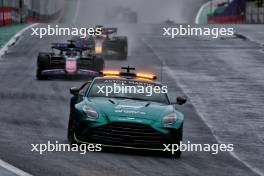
<point x="124" y="119"/>
<point x="68" y="59"/>
<point x="108" y="44"/>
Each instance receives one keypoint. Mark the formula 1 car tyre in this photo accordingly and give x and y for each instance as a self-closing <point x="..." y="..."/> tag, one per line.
<point x="99" y="64"/>
<point x="124" y="48"/>
<point x="43" y="63"/>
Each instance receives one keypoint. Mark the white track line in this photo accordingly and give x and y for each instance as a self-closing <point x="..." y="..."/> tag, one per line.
<point x="200" y="12"/>
<point x="13" y="169"/>
<point x="261" y="50"/>
<point x="171" y="74"/>
<point x="4" y="164"/>
<point x="76" y="13"/>
<point x="14" y="39"/>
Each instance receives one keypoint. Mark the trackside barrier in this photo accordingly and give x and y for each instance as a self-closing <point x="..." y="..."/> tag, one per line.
<point x="5" y="15"/>
<point x="254" y="14"/>
<point x="16" y="11"/>
<point x="37" y="18"/>
<point x="226" y="19"/>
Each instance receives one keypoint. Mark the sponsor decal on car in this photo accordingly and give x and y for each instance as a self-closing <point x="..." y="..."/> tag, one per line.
<point x="71" y="66"/>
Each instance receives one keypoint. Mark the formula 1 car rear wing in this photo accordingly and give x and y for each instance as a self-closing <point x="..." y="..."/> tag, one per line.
<point x="109" y="31"/>
<point x="70" y="45"/>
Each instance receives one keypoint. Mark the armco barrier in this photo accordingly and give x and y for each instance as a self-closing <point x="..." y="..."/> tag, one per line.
<point x="226" y="19"/>
<point x="5" y="15"/>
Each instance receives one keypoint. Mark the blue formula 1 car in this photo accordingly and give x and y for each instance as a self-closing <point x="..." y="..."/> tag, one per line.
<point x="68" y="59"/>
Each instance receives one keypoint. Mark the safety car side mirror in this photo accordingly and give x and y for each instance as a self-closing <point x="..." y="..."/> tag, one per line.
<point x="181" y="100"/>
<point x="74" y="91"/>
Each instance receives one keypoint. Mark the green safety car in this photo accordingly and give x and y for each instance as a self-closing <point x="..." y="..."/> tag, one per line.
<point x="118" y="110"/>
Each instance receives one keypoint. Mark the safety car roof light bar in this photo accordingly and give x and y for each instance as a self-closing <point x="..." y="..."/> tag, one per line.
<point x="128" y="74"/>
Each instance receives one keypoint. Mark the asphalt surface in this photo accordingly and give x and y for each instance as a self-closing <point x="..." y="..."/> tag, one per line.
<point x="224" y="80"/>
<point x="149" y="11"/>
<point x="34" y="112"/>
<point x="37" y="111"/>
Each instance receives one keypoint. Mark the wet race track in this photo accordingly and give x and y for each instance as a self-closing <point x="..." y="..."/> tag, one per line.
<point x="222" y="78"/>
